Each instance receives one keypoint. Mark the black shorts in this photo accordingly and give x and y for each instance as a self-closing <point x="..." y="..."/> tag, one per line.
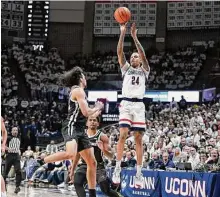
<point x="78" y="134"/>
<point x="100" y="173"/>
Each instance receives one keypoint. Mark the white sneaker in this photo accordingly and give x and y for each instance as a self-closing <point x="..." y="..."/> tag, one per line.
<point x="3" y="194"/>
<point x="139" y="180"/>
<point x="44" y="181"/>
<point x="71" y="187"/>
<point x="116" y="179"/>
<point x="62" y="185"/>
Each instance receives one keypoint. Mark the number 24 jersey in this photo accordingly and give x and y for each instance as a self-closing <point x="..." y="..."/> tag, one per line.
<point x="134" y="80"/>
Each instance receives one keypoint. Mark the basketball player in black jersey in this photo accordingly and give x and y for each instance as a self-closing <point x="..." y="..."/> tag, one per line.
<point x="74" y="127"/>
<point x="100" y="143"/>
<point x="4" y="140"/>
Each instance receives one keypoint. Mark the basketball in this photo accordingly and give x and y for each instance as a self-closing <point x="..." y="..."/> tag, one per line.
<point x="122" y="15"/>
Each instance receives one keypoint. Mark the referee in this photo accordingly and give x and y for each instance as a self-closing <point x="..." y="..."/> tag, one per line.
<point x="13" y="157"/>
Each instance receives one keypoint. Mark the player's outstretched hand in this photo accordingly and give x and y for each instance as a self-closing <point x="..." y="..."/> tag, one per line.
<point x="134" y="30"/>
<point x="3" y="148"/>
<point x="99" y="105"/>
<point x="123" y="28"/>
<point x="71" y="177"/>
<point x="97" y="113"/>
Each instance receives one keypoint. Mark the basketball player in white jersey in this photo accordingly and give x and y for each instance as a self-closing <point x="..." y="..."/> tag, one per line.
<point x="132" y="108"/>
<point x="4" y="140"/>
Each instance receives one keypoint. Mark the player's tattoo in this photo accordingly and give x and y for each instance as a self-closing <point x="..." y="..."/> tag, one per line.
<point x="121" y="55"/>
<point x="142" y="54"/>
<point x="139" y="47"/>
<point x="123" y="59"/>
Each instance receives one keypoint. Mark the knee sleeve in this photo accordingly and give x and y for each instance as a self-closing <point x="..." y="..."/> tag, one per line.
<point x="79" y="181"/>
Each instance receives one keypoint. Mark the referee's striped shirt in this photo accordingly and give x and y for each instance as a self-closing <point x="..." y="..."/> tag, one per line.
<point x="14" y="145"/>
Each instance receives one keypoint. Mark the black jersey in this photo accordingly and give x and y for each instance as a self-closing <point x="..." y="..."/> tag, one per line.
<point x="75" y="117"/>
<point x="97" y="152"/>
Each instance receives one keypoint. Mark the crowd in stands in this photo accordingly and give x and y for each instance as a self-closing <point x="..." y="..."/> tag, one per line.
<point x="170" y="70"/>
<point x="38" y="121"/>
<point x="176" y="70"/>
<point x="42" y="71"/>
<point x="9" y="85"/>
<point x="176" y="134"/>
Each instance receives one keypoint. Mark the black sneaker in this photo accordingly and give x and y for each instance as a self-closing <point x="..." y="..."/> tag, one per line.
<point x="17" y="189"/>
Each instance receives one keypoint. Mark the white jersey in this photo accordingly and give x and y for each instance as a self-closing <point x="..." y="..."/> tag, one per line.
<point x="134" y="80"/>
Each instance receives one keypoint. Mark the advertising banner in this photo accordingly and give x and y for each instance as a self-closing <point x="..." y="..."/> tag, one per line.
<point x="150" y="187"/>
<point x="186" y="184"/>
<point x="171" y="184"/>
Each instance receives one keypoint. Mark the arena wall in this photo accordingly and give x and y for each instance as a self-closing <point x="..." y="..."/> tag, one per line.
<point x="67" y="37"/>
<point x="66" y="26"/>
<point x="186" y="37"/>
<point x="67" y="11"/>
<point x="110" y="44"/>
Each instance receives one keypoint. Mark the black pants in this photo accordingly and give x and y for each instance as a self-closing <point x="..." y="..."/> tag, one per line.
<point x="13" y="159"/>
<point x="102" y="179"/>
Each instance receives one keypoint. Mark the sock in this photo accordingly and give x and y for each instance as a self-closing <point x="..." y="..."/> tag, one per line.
<point x="139" y="167"/>
<point x="92" y="193"/>
<point x="118" y="164"/>
<point x="3" y="194"/>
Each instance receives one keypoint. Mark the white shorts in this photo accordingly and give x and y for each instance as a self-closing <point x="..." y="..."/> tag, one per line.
<point x="132" y="115"/>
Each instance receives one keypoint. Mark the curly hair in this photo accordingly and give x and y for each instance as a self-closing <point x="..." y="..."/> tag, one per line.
<point x="72" y="77"/>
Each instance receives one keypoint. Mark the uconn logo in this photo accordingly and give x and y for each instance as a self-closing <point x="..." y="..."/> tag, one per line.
<point x="185" y="187"/>
<point x="135" y="72"/>
<point x="147" y="184"/>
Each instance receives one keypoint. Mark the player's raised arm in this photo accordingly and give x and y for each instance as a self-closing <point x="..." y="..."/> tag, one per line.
<point x="83" y="104"/>
<point x="139" y="47"/>
<point x="120" y="52"/>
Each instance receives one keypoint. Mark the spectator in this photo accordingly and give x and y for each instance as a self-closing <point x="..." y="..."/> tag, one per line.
<point x="167" y="162"/>
<point x="193" y="158"/>
<point x="196" y="121"/>
<point x="203" y="157"/>
<point x="214" y="157"/>
<point x="173" y="104"/>
<point x="155" y="163"/>
<point x="214" y="130"/>
<point x="182" y="142"/>
<point x="37" y="152"/>
<point x="51" y="148"/>
<point x="177" y="155"/>
<point x="183" y="103"/>
<point x="31" y="167"/>
<point x="130" y="161"/>
<point x="146" y="160"/>
<point x="29" y="152"/>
